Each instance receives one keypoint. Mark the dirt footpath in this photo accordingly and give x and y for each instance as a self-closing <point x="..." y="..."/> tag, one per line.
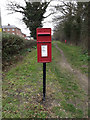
<point x="82" y="79"/>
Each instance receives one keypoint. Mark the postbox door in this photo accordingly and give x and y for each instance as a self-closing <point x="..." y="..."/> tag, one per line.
<point x="44" y="52"/>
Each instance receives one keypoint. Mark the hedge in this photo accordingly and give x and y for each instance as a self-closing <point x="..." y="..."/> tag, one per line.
<point x="13" y="44"/>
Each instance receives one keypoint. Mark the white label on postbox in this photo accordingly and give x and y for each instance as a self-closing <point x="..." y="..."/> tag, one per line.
<point x="44" y="50"/>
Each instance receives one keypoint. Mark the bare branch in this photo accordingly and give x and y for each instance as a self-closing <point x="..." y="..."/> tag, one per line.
<point x="14" y="7"/>
<point x="50" y="14"/>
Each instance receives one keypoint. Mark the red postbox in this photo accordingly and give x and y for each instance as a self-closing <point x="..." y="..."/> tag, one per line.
<point x="44" y="45"/>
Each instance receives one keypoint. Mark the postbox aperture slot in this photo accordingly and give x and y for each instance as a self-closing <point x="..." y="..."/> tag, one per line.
<point x="43" y="34"/>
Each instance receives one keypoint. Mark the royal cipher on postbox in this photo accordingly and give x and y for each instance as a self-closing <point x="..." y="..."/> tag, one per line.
<point x="44" y="45"/>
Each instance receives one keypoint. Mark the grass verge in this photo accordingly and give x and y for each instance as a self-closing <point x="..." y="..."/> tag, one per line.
<point x="76" y="56"/>
<point x="22" y="91"/>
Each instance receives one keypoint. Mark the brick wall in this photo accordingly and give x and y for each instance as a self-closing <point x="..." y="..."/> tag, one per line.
<point x="12" y="30"/>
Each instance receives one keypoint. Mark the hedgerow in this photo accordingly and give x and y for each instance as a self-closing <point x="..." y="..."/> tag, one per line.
<point x="13" y="44"/>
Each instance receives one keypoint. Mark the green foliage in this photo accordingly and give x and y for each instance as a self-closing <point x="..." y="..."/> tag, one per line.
<point x="33" y="14"/>
<point x="68" y="107"/>
<point x="60" y="112"/>
<point x="22" y="91"/>
<point x="30" y="43"/>
<point x="13" y="45"/>
<point x="34" y="19"/>
<point x="71" y="108"/>
<point x="73" y="25"/>
<point x="76" y="56"/>
<point x="21" y="84"/>
<point x="29" y="50"/>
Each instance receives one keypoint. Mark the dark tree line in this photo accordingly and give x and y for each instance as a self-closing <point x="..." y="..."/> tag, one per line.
<point x="73" y="23"/>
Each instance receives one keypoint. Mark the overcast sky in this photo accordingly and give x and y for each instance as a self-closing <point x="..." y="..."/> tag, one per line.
<point x="16" y="18"/>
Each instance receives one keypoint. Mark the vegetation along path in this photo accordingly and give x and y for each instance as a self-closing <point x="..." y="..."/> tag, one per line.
<point x="83" y="79"/>
<point x="65" y="95"/>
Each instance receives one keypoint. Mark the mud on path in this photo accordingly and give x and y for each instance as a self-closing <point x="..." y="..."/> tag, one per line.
<point x="82" y="79"/>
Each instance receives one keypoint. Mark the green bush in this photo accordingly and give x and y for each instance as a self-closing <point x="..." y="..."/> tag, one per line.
<point x="12" y="44"/>
<point x="29" y="43"/>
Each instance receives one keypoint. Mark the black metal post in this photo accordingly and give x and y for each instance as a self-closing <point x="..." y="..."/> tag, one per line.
<point x="44" y="80"/>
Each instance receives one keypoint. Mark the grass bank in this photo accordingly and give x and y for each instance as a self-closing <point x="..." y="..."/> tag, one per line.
<point x="13" y="48"/>
<point x="23" y="85"/>
<point x="76" y="56"/>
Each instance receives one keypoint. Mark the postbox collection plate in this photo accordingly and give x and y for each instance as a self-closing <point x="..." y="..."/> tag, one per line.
<point x="44" y="45"/>
<point x="44" y="52"/>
